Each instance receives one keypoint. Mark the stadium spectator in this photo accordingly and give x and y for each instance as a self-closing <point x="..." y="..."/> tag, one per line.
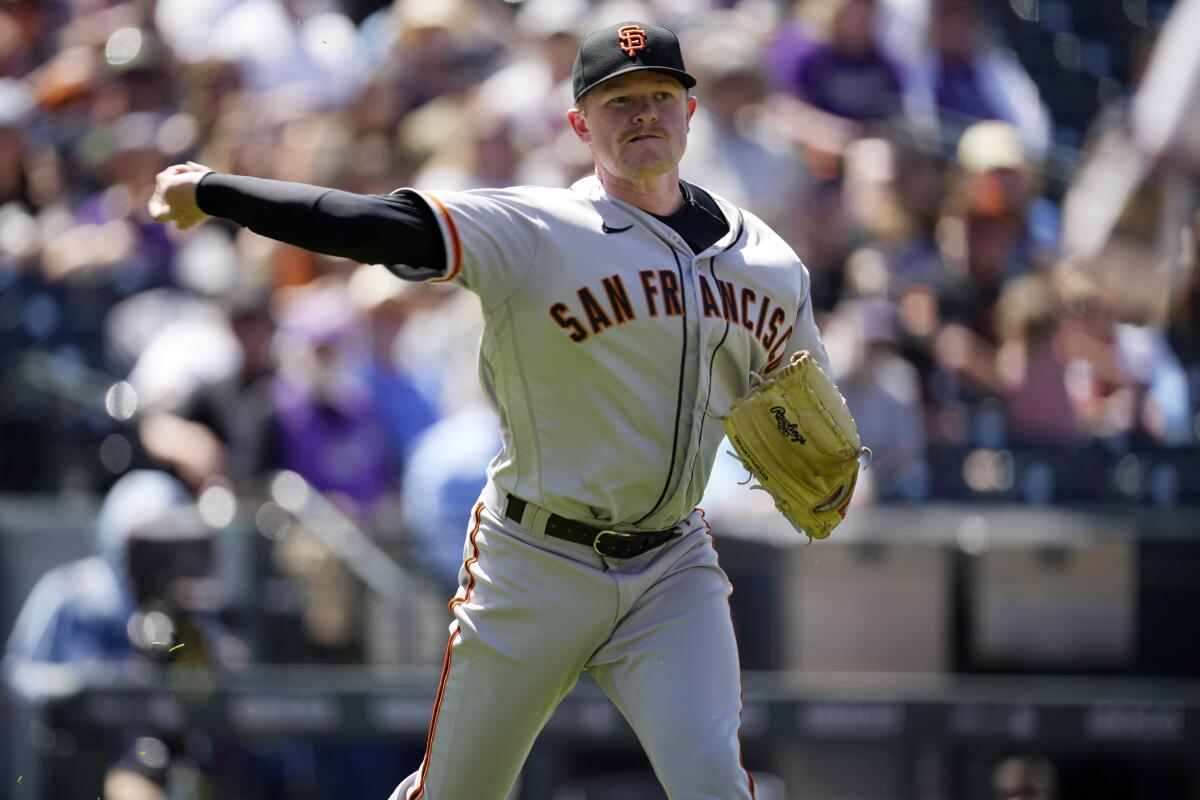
<point x="330" y="431"/>
<point x="474" y="148"/>
<point x="1030" y="367"/>
<point x="963" y="76"/>
<point x="734" y="138"/>
<point x="227" y="423"/>
<point x="94" y="95"/>
<point x="1030" y="777"/>
<point x="131" y="601"/>
<point x="837" y="70"/>
<point x="387" y="304"/>
<point x="883" y="392"/>
<point x="445" y="472"/>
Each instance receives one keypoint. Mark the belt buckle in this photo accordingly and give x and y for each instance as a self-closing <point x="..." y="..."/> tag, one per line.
<point x="621" y="535"/>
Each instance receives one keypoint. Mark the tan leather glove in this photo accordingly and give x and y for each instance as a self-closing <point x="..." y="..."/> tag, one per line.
<point x="796" y="436"/>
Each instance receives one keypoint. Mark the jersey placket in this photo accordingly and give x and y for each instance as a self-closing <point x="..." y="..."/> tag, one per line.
<point x="711" y="335"/>
<point x="694" y="385"/>
<point x="714" y="333"/>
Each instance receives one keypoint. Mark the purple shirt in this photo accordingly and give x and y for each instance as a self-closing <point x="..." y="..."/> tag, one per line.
<point x="337" y="448"/>
<point x="958" y="90"/>
<point x="862" y="88"/>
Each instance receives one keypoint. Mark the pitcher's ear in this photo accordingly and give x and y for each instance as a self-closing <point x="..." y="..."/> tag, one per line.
<point x="578" y="123"/>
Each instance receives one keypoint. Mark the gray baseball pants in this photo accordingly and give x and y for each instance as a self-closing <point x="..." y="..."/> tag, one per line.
<point x="533" y="611"/>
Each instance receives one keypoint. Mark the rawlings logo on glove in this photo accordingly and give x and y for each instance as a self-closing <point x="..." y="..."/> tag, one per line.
<point x="789" y="430"/>
<point x="810" y="466"/>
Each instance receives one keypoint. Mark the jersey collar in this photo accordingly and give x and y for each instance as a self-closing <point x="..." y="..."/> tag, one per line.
<point x="591" y="187"/>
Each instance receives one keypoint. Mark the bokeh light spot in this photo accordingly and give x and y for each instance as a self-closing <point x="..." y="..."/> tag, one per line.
<point x="115" y="453"/>
<point x="123" y="46"/>
<point x="217" y="506"/>
<point x="121" y="401"/>
<point x="290" y="491"/>
<point x="272" y="520"/>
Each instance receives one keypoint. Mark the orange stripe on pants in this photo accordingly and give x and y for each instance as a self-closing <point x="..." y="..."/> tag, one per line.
<point x="419" y="789"/>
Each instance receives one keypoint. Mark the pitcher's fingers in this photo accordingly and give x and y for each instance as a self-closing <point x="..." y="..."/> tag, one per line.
<point x="157" y="206"/>
<point x="162" y="212"/>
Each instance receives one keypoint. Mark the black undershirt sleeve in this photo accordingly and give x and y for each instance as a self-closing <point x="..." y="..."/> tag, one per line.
<point x="396" y="229"/>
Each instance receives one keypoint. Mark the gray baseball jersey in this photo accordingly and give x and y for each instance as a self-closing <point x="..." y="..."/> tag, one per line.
<point x="608" y="347"/>
<point x="606" y="340"/>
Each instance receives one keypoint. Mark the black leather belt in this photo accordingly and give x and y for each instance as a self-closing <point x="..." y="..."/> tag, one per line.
<point x="614" y="544"/>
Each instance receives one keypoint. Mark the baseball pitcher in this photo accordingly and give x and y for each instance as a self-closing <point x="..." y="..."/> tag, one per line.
<point x="624" y="318"/>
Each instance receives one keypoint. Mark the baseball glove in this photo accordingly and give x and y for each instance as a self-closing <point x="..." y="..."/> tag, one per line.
<point x="796" y="436"/>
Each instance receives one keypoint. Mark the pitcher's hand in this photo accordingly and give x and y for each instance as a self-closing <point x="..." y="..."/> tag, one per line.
<point x="174" y="197"/>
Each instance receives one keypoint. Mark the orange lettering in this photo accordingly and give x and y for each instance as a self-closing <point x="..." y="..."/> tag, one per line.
<point x="650" y="289"/>
<point x="777" y="317"/>
<point x="728" y="300"/>
<point x="670" y="291"/>
<point x="774" y="360"/>
<point x="708" y="300"/>
<point x="762" y="315"/>
<point x="632" y="39"/>
<point x="559" y="312"/>
<point x="748" y="297"/>
<point x="618" y="298"/>
<point x="595" y="312"/>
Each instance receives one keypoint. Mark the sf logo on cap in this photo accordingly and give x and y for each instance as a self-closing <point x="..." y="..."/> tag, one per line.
<point x="632" y="38"/>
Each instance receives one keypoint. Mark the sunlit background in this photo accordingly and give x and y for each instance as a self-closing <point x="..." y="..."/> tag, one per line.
<point x="235" y="476"/>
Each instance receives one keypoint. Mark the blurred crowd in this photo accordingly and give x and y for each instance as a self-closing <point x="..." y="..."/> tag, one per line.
<point x="900" y="146"/>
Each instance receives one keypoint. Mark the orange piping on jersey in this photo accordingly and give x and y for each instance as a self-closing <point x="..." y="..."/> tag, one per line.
<point x="456" y="263"/>
<point x="419" y="790"/>
<point x="750" y="778"/>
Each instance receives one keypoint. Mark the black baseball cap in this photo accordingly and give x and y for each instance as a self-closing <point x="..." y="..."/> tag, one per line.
<point x="627" y="47"/>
